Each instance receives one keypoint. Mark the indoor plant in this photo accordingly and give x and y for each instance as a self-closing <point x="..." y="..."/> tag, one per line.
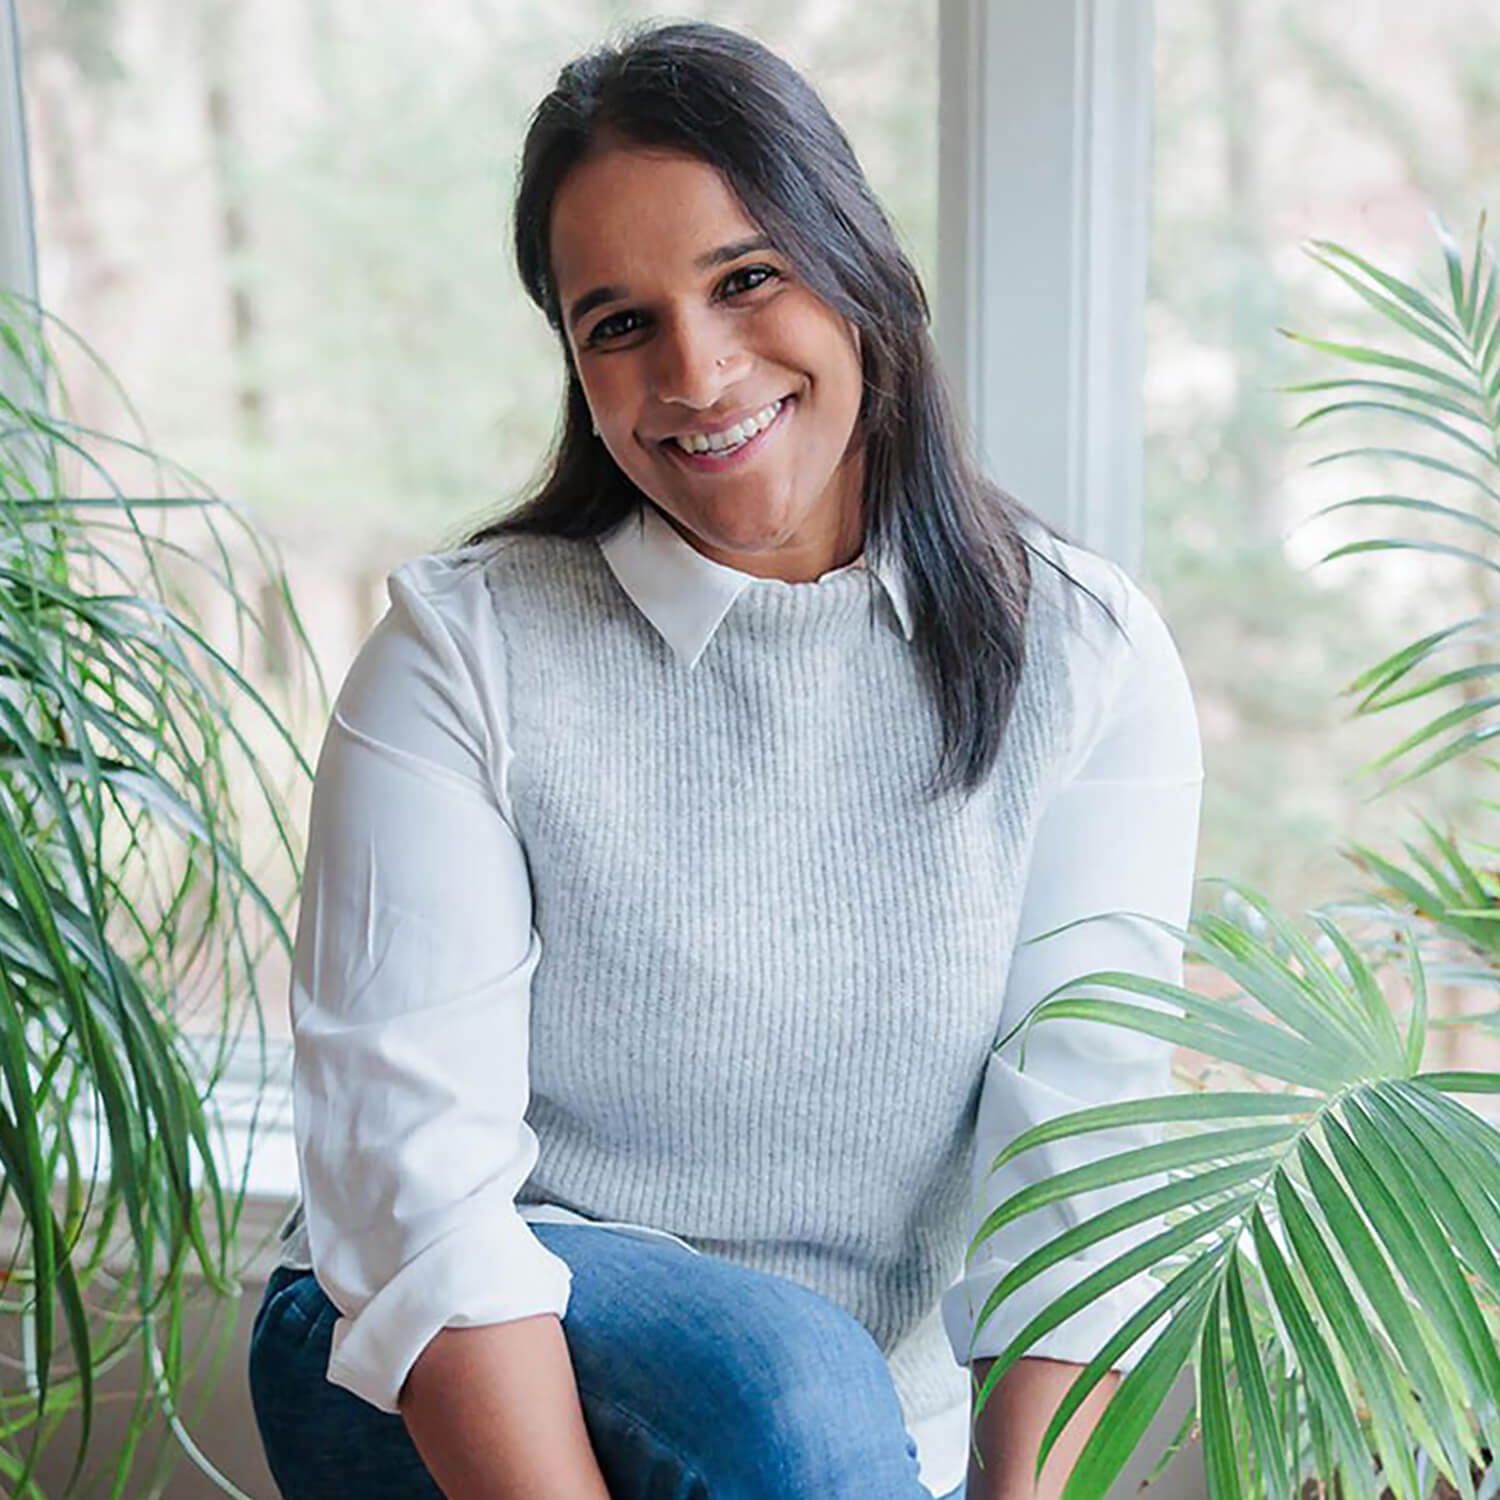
<point x="137" y="766"/>
<point x="1327" y="1234"/>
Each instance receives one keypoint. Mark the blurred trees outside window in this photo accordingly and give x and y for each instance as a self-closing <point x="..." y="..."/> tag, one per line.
<point x="284" y="223"/>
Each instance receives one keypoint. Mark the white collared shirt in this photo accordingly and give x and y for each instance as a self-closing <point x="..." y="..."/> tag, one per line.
<point x="1120" y="833"/>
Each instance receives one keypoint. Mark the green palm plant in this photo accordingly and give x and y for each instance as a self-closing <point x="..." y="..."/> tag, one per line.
<point x="1445" y="393"/>
<point x="147" y="864"/>
<point x="1326" y="1231"/>
<point x="1329" y="1240"/>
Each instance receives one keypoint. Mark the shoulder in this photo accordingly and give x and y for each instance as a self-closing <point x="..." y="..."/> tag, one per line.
<point x="1132" y="700"/>
<point x="431" y="666"/>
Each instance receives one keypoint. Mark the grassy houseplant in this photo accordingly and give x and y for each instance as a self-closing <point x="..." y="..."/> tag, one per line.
<point x="147" y="864"/>
<point x="1326" y="1230"/>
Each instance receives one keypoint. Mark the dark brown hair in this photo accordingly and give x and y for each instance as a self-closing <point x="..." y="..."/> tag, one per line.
<point x="724" y="98"/>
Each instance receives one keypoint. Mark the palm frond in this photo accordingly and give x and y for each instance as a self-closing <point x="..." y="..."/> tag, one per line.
<point x="1454" y="402"/>
<point x="1329" y="1249"/>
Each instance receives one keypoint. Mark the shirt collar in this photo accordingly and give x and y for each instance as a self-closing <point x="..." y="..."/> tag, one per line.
<point x="686" y="595"/>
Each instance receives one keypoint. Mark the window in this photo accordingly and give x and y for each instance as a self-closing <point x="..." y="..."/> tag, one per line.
<point x="284" y="225"/>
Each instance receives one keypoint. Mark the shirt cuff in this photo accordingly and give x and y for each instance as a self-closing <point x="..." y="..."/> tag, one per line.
<point x="461" y="1281"/>
<point x="1077" y="1339"/>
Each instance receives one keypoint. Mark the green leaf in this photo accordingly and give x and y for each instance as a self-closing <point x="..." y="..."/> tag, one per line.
<point x="1193" y="1190"/>
<point x="1412" y="393"/>
<point x="1325" y="1390"/>
<point x="1177" y="1289"/>
<point x="1213" y="1403"/>
<point x="1420" y="1243"/>
<point x="1411" y="503"/>
<point x="1403" y="544"/>
<point x="1136" y="1401"/>
<point x="1391" y="408"/>
<point x="1362" y="354"/>
<point x="1236" y="1038"/>
<point x="1407" y="455"/>
<point x="1461" y="1082"/>
<point x="1139" y="1259"/>
<point x="1434" y="321"/>
<point x="1410" y="1134"/>
<point x="1351" y="1337"/>
<point x="1131" y="1165"/>
<point x="1159" y="1110"/>
<point x="1250" y="1374"/>
<point x="1438" y="1392"/>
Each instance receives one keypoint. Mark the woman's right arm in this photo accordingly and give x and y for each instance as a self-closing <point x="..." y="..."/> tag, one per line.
<point x="494" y="1413"/>
<point x="410" y="1001"/>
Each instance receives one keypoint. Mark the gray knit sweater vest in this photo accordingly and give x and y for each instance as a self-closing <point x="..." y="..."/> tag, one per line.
<point x="772" y="968"/>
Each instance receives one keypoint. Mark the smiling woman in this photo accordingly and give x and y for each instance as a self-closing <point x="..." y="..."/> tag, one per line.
<point x="677" y="854"/>
<point x="694" y="327"/>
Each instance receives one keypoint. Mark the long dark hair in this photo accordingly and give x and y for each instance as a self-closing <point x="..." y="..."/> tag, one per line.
<point x="714" y="94"/>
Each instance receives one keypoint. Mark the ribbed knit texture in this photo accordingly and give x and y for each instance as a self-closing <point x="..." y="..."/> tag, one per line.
<point x="772" y="969"/>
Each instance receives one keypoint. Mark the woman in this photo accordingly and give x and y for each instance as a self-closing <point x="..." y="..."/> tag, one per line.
<point x="674" y="850"/>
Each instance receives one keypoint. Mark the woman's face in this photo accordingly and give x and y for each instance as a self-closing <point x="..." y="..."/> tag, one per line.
<point x="719" y="382"/>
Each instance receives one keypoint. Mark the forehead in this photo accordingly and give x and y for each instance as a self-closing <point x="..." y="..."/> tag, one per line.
<point x="629" y="211"/>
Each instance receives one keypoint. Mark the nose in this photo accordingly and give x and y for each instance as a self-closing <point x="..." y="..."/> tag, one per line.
<point x="695" y="362"/>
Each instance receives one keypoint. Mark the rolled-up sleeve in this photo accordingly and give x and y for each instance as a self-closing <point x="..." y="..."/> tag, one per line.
<point x="410" y="997"/>
<point x="1118" y="835"/>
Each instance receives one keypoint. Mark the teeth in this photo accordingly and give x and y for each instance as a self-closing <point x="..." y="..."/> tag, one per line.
<point x="731" y="437"/>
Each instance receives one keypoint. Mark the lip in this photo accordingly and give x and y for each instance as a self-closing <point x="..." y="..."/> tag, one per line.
<point x="717" y="463"/>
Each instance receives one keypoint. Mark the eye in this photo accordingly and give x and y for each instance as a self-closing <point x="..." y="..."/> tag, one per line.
<point x="746" y="279"/>
<point x="615" y="326"/>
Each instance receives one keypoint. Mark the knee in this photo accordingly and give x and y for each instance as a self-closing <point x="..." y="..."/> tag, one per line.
<point x="814" y="1412"/>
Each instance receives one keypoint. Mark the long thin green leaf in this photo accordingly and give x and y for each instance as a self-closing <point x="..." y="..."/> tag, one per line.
<point x="1437" y="1392"/>
<point x="1192" y="1190"/>
<point x="1453" y="259"/>
<point x="1435" y="424"/>
<point x="1136" y="1401"/>
<point x="1407" y="455"/>
<point x="1291" y="998"/>
<point x="1133" y="1164"/>
<point x="1135" y="1261"/>
<point x="1159" y="1110"/>
<point x="1437" y="726"/>
<point x="1351" y="1337"/>
<point x="1364" y="355"/>
<point x="1219" y="1444"/>
<point x="1434" y="321"/>
<point x="1325" y="1388"/>
<point x="1459" y="1082"/>
<point x="1434" y="1269"/>
<point x="1434" y="399"/>
<point x="1250" y="1375"/>
<point x="1466" y="555"/>
<point x="1272" y="1051"/>
<point x="1177" y="1289"/>
<point x="1410" y="1134"/>
<point x="1411" y="503"/>
<point x="1395" y="666"/>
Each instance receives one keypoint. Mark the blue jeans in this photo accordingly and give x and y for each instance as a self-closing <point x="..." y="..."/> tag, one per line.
<point x="699" y="1380"/>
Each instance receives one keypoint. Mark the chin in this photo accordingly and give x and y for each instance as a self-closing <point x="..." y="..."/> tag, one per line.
<point x="762" y="529"/>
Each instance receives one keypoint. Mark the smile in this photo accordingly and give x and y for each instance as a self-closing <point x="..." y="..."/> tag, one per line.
<point x="713" y="450"/>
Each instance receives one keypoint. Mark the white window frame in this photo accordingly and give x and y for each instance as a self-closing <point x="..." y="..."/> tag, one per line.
<point x="1043" y="209"/>
<point x="17" y="241"/>
<point x="1044" y="184"/>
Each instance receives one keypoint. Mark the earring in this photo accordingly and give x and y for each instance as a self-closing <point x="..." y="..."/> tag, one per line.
<point x="596" y="429"/>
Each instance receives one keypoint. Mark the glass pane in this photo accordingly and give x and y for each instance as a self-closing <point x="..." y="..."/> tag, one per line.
<point x="1278" y="124"/>
<point x="284" y="225"/>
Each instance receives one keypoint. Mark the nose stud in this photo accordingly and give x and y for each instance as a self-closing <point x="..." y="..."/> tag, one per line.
<point x="721" y="361"/>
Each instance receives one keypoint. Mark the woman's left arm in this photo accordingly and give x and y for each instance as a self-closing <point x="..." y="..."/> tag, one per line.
<point x="1119" y="834"/>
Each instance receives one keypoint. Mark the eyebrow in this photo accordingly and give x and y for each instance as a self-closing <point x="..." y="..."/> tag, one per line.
<point x="585" y="304"/>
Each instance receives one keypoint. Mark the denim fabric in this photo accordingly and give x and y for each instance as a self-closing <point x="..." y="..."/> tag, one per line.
<point x="699" y="1380"/>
